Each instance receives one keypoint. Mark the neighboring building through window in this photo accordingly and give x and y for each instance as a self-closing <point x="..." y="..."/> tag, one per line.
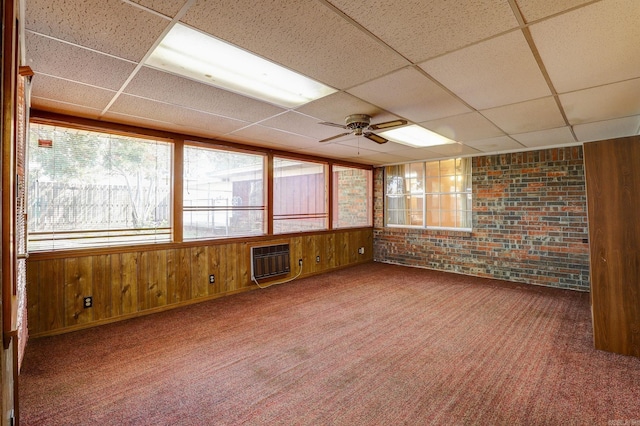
<point x="223" y="193"/>
<point x="435" y="194"/>
<point x="299" y="196"/>
<point x="89" y="189"/>
<point x="351" y="197"/>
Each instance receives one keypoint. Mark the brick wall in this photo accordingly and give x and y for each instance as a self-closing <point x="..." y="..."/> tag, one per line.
<point x="351" y="195"/>
<point x="529" y="223"/>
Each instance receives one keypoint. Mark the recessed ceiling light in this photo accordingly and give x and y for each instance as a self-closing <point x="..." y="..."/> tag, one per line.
<point x="193" y="54"/>
<point x="415" y="136"/>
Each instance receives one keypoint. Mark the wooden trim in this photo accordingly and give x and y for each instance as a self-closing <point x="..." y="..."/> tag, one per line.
<point x="61" y="254"/>
<point x="8" y="167"/>
<point x="26" y="71"/>
<point x="269" y="194"/>
<point x="329" y="191"/>
<point x="177" y="190"/>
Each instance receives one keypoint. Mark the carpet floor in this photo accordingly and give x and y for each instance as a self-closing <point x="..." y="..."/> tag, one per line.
<point x="374" y="344"/>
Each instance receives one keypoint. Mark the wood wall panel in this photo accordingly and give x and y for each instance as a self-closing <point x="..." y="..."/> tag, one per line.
<point x="129" y="284"/>
<point x="613" y="200"/>
<point x="213" y="260"/>
<point x="129" y="276"/>
<point x="77" y="284"/>
<point x="101" y="287"/>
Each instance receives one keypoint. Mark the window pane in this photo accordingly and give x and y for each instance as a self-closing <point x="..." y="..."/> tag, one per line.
<point x="351" y="197"/>
<point x="417" y="210"/>
<point x="299" y="196"/>
<point x="433" y="184"/>
<point x="223" y="193"/>
<point x="433" y="168"/>
<point x="448" y="218"/>
<point x="448" y="184"/>
<point x="404" y="198"/>
<point x="89" y="189"/>
<point x="433" y="217"/>
<point x="448" y="167"/>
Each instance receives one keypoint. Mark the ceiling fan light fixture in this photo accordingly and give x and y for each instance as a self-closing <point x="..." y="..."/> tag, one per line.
<point x="416" y="136"/>
<point x="195" y="55"/>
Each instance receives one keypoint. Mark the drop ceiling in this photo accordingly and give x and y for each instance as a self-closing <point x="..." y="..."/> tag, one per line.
<point x="493" y="75"/>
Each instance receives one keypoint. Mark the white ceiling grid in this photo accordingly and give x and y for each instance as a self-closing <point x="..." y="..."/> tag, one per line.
<point x="494" y="75"/>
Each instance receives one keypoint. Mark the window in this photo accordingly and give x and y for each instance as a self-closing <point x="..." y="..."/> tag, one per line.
<point x="223" y="194"/>
<point x="89" y="189"/>
<point x="435" y="194"/>
<point x="405" y="194"/>
<point x="299" y="196"/>
<point x="351" y="197"/>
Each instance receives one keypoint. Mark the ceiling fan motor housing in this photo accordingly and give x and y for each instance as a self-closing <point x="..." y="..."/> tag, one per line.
<point x="357" y="122"/>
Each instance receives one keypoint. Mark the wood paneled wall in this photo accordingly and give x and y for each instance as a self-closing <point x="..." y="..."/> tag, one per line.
<point x="125" y="284"/>
<point x="613" y="198"/>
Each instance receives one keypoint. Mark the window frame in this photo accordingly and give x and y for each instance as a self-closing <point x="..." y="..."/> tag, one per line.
<point x="178" y="142"/>
<point x="335" y="201"/>
<point x="265" y="196"/>
<point x="326" y="171"/>
<point x="107" y="240"/>
<point x="425" y="195"/>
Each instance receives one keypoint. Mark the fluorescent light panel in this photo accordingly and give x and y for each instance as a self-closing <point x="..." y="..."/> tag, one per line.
<point x="190" y="53"/>
<point x="415" y="136"/>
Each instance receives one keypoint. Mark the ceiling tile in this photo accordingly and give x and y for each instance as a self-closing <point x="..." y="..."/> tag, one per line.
<point x="603" y="102"/>
<point x="355" y="141"/>
<point x="410" y="94"/>
<point x="64" y="108"/>
<point x="336" y="151"/>
<point x="495" y="72"/>
<point x="534" y="10"/>
<point x="464" y="127"/>
<point x="609" y="129"/>
<point x="69" y="92"/>
<point x="419" y="154"/>
<point x="335" y="107"/>
<point x="109" y="26"/>
<point x="140" y="107"/>
<point x="452" y="150"/>
<point x="384" y="158"/>
<point x="301" y="124"/>
<point x="165" y="87"/>
<point x="310" y="38"/>
<point x="451" y="24"/>
<point x="502" y="143"/>
<point x="55" y="58"/>
<point x="150" y="123"/>
<point x="267" y="135"/>
<point x="549" y="137"/>
<point x="166" y="7"/>
<point x="528" y="116"/>
<point x="591" y="46"/>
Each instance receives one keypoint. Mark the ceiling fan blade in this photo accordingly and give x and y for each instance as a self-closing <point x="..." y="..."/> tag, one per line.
<point x="376" y="138"/>
<point x="388" y="124"/>
<point x="335" y="137"/>
<point x="326" y="123"/>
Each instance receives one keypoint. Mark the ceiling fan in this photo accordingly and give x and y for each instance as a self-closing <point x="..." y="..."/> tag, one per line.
<point x="360" y="125"/>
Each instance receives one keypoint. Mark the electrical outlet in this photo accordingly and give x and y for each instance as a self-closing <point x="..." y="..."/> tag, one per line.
<point x="212" y="279"/>
<point x="88" y="302"/>
<point x="317" y="259"/>
<point x="361" y="250"/>
<point x="299" y="262"/>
